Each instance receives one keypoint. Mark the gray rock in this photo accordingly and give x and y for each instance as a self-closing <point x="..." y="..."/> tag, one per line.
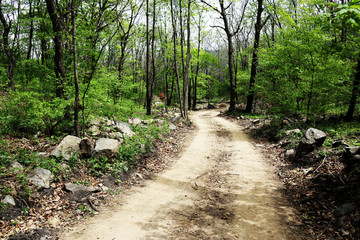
<point x="293" y="131"/>
<point x="256" y="121"/>
<point x="16" y="167"/>
<point x="352" y="150"/>
<point x="176" y="118"/>
<point x="116" y="135"/>
<point x="134" y="121"/>
<point x="105" y="147"/>
<point x="9" y="201"/>
<point x="344" y="209"/>
<point x="290" y="153"/>
<point x="172" y="126"/>
<point x="96" y="121"/>
<point x="76" y="188"/>
<point x="94" y="130"/>
<point x="40" y="177"/>
<point x="338" y="144"/>
<point x="124" y="128"/>
<point x="86" y="148"/>
<point x="312" y="138"/>
<point x="67" y="147"/>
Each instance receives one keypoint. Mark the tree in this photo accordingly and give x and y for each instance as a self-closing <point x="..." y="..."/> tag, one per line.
<point x="12" y="62"/>
<point x="229" y="34"/>
<point x="258" y="26"/>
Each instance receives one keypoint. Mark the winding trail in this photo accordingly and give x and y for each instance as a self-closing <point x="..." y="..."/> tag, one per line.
<point x="220" y="188"/>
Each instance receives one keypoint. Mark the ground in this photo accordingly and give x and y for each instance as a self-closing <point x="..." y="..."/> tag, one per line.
<point x="220" y="187"/>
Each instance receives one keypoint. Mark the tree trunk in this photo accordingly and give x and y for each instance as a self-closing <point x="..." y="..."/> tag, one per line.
<point x="255" y="62"/>
<point x="57" y="23"/>
<point x="148" y="96"/>
<point x="354" y="94"/>
<point x="76" y="82"/>
<point x="9" y="54"/>
<point x="175" y="59"/>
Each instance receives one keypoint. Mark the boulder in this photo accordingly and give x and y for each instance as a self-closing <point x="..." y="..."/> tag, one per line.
<point x="16" y="167"/>
<point x="171" y="126"/>
<point x="124" y="128"/>
<point x="176" y="118"/>
<point x="312" y="138"/>
<point x="86" y="148"/>
<point x="9" y="201"/>
<point x="290" y="153"/>
<point x="339" y="143"/>
<point x="105" y="147"/>
<point x="76" y="188"/>
<point x="116" y="135"/>
<point x="94" y="130"/>
<point x="40" y="177"/>
<point x="67" y="147"/>
<point x="293" y="131"/>
<point x="134" y="121"/>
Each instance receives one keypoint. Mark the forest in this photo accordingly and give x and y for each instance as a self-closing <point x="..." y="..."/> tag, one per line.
<point x="61" y="60"/>
<point x="67" y="63"/>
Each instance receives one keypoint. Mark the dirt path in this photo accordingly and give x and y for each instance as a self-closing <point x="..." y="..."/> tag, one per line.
<point x="219" y="188"/>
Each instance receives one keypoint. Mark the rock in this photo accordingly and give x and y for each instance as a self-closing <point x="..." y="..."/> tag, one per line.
<point x="312" y="138"/>
<point x="256" y="121"/>
<point x="40" y="177"/>
<point x="290" y="153"/>
<point x="94" y="130"/>
<point x="42" y="154"/>
<point x="134" y="121"/>
<point x="116" y="135"/>
<point x="171" y="126"/>
<point x="67" y="147"/>
<point x="338" y="144"/>
<point x="352" y="150"/>
<point x="124" y="128"/>
<point x="8" y="201"/>
<point x="105" y="147"/>
<point x="176" y="118"/>
<point x="54" y="222"/>
<point x="344" y="209"/>
<point x="293" y="131"/>
<point x="76" y="188"/>
<point x="259" y="145"/>
<point x="96" y="121"/>
<point x="16" y="167"/>
<point x="86" y="148"/>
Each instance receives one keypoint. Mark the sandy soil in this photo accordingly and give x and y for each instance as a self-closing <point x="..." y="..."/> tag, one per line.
<point x="220" y="188"/>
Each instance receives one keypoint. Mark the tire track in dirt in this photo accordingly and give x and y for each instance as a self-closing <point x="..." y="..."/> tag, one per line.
<point x="219" y="188"/>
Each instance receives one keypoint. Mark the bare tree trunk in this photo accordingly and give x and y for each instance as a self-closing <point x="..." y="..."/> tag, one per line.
<point x="148" y="96"/>
<point x="57" y="23"/>
<point x="175" y="59"/>
<point x="9" y="54"/>
<point x="76" y="81"/>
<point x="355" y="93"/>
<point x="255" y="61"/>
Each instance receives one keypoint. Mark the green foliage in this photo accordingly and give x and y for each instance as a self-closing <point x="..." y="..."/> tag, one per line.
<point x="301" y="73"/>
<point x="29" y="112"/>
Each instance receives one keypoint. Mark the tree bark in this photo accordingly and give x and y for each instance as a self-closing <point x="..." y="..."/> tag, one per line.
<point x="175" y="59"/>
<point x="354" y="94"/>
<point x="57" y="23"/>
<point x="76" y="81"/>
<point x="8" y="51"/>
<point x="148" y="96"/>
<point x="255" y="62"/>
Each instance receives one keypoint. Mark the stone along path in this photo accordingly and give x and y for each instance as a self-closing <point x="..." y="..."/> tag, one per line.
<point x="220" y="188"/>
